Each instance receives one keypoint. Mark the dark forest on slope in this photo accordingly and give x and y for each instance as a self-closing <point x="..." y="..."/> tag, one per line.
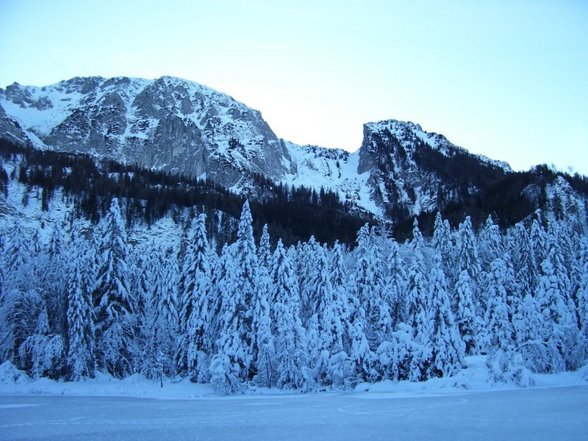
<point x="293" y="214"/>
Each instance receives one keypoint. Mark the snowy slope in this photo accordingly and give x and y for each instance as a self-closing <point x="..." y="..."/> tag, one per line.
<point x="334" y="170"/>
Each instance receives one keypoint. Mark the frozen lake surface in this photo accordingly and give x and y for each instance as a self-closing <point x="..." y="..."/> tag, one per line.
<point x="559" y="413"/>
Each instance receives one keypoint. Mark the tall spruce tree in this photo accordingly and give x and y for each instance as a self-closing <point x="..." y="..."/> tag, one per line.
<point x="80" y="318"/>
<point x="290" y="336"/>
<point x="448" y="348"/>
<point x="196" y="302"/>
<point x="232" y="365"/>
<point x="113" y="302"/>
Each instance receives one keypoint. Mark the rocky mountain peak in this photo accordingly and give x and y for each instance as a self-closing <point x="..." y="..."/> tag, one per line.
<point x="168" y="124"/>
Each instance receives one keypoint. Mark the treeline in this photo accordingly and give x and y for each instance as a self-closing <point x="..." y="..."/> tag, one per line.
<point x="292" y="214"/>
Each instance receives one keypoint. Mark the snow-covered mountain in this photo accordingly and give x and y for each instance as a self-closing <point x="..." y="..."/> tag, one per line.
<point x="185" y="128"/>
<point x="167" y="124"/>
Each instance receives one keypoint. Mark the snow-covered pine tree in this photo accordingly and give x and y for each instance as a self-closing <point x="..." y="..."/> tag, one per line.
<point x="193" y="257"/>
<point x="417" y="313"/>
<point x="17" y="258"/>
<point x="558" y="251"/>
<point x="395" y="355"/>
<point x="369" y="288"/>
<point x="448" y="348"/>
<point x="558" y="314"/>
<point x="15" y="316"/>
<point x="468" y="322"/>
<point x="340" y="365"/>
<point x="289" y="334"/>
<point x="521" y="251"/>
<point x="467" y="259"/>
<point x="582" y="300"/>
<point x="498" y="332"/>
<point x="113" y="303"/>
<point x="54" y="281"/>
<point x="195" y="340"/>
<point x="80" y="321"/>
<point x="328" y="323"/>
<point x="467" y="250"/>
<point x="529" y="339"/>
<point x="40" y="353"/>
<point x="145" y="287"/>
<point x="160" y="321"/>
<point x="417" y="284"/>
<point x="6" y="338"/>
<point x="220" y="269"/>
<point x="490" y="243"/>
<point x="264" y="251"/>
<point x="443" y="243"/>
<point x="538" y="238"/>
<point x="395" y="284"/>
<point x="262" y="326"/>
<point x="232" y="365"/>
<point x="306" y="270"/>
<point x="264" y="361"/>
<point x="168" y="308"/>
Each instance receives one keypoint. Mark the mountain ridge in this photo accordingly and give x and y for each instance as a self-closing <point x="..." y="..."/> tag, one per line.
<point x="182" y="127"/>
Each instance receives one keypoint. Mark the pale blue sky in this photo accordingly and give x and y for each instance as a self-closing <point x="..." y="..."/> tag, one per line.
<point x="508" y="79"/>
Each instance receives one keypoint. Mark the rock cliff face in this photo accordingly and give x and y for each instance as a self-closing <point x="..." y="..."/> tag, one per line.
<point x="411" y="171"/>
<point x="182" y="127"/>
<point x="168" y="124"/>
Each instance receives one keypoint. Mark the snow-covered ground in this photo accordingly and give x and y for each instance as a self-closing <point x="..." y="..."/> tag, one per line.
<point x="468" y="406"/>
<point x="525" y="414"/>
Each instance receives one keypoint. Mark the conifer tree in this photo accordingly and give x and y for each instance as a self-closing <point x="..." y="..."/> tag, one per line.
<point x="340" y="365"/>
<point x="290" y="336"/>
<point x="395" y="285"/>
<point x="582" y="299"/>
<point x="264" y="251"/>
<point x="306" y="269"/>
<point x="265" y="370"/>
<point x="558" y="316"/>
<point x="468" y="322"/>
<point x="55" y="282"/>
<point x="232" y="365"/>
<point x="80" y="320"/>
<point x="417" y="286"/>
<point x="442" y="243"/>
<point x="521" y="250"/>
<point x="262" y="326"/>
<point x="538" y="238"/>
<point x="448" y="348"/>
<point x="17" y="258"/>
<point x="328" y="327"/>
<point x="490" y="243"/>
<point x="527" y="325"/>
<point x="160" y="321"/>
<point x="196" y="302"/>
<point x="113" y="303"/>
<point x="498" y="332"/>
<point x="369" y="286"/>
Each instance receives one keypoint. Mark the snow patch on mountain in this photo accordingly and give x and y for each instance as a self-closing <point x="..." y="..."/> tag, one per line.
<point x="333" y="170"/>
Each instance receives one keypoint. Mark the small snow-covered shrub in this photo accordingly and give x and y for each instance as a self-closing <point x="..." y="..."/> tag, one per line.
<point x="506" y="366"/>
<point x="340" y="368"/>
<point x="9" y="374"/>
<point x="393" y="357"/>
